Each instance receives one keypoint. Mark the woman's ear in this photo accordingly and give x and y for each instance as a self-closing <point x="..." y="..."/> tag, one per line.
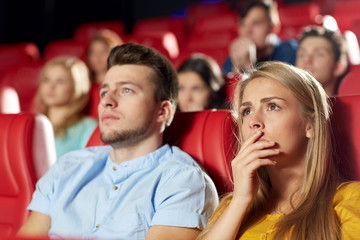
<point x="310" y="128"/>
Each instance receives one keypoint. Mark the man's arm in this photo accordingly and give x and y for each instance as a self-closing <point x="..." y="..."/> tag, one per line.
<point x="38" y="224"/>
<point x="158" y="232"/>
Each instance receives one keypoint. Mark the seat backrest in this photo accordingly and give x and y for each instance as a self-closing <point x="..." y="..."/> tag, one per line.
<point x="208" y="136"/>
<point x="9" y="100"/>
<point x="351" y="82"/>
<point x="86" y="31"/>
<point x="163" y="41"/>
<point x="25" y="80"/>
<point x="66" y="47"/>
<point x="17" y="54"/>
<point x="27" y="151"/>
<point x="346" y="130"/>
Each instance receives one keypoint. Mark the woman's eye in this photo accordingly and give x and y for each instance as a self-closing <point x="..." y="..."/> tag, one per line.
<point x="246" y="112"/>
<point x="273" y="107"/>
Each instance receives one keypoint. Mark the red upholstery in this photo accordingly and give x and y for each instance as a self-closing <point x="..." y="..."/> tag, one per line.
<point x="294" y="17"/>
<point x="17" y="54"/>
<point x="18" y="171"/>
<point x="208" y="136"/>
<point x="84" y="32"/>
<point x="163" y="41"/>
<point x="346" y="129"/>
<point x="345" y="12"/>
<point x="221" y="22"/>
<point x="94" y="101"/>
<point x="25" y="80"/>
<point x="9" y="100"/>
<point x="174" y="25"/>
<point x="64" y="47"/>
<point x="351" y="82"/>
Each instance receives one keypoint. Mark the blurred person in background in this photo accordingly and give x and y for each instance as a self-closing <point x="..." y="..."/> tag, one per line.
<point x="323" y="53"/>
<point x="257" y="41"/>
<point x="63" y="96"/>
<point x="201" y="85"/>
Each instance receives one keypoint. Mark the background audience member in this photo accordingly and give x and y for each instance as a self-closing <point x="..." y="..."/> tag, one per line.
<point x="286" y="184"/>
<point x="98" y="52"/>
<point x="323" y="53"/>
<point x="201" y="85"/>
<point x="138" y="187"/>
<point x="257" y="41"/>
<point x="62" y="96"/>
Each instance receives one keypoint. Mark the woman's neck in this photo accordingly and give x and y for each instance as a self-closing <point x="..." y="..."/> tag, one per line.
<point x="57" y="114"/>
<point x="285" y="190"/>
<point x="99" y="77"/>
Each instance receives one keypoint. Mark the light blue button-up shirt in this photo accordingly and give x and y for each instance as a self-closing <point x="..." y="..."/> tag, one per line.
<point x="87" y="195"/>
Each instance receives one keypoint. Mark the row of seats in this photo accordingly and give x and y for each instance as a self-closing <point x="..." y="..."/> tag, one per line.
<point x="208" y="136"/>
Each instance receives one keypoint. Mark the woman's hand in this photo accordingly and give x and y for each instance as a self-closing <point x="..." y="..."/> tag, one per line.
<point x="252" y="155"/>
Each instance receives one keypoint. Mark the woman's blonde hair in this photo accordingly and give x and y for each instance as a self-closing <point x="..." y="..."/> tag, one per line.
<point x="314" y="216"/>
<point x="80" y="98"/>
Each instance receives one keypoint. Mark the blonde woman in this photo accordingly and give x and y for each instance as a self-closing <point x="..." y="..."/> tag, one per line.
<point x="62" y="96"/>
<point x="285" y="182"/>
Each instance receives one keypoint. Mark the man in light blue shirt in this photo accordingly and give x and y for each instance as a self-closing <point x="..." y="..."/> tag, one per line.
<point x="136" y="188"/>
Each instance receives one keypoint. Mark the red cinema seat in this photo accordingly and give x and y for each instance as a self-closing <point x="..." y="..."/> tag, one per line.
<point x="27" y="151"/>
<point x="17" y="54"/>
<point x="346" y="130"/>
<point x="64" y="47"/>
<point x="351" y="82"/>
<point x="84" y="32"/>
<point x="25" y="80"/>
<point x="294" y="17"/>
<point x="9" y="100"/>
<point x="174" y="25"/>
<point x="345" y="13"/>
<point x="163" y="41"/>
<point x="221" y="22"/>
<point x="208" y="136"/>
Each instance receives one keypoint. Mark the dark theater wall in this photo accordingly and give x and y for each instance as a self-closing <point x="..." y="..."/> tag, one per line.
<point x="41" y="21"/>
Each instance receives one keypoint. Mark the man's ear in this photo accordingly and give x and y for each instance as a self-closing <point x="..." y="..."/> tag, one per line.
<point x="340" y="68"/>
<point x="165" y="111"/>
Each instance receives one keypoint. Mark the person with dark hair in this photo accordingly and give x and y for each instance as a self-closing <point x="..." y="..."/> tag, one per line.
<point x="137" y="187"/>
<point x="201" y="85"/>
<point x="257" y="41"/>
<point x="323" y="53"/>
<point x="286" y="183"/>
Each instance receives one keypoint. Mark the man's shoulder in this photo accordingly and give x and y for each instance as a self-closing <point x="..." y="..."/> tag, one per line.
<point x="90" y="154"/>
<point x="288" y="45"/>
<point x="182" y="158"/>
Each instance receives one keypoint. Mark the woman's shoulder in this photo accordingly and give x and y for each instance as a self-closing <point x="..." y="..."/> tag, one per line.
<point x="347" y="193"/>
<point x="347" y="208"/>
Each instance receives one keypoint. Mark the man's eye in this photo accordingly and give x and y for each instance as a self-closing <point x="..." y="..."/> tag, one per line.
<point x="103" y="94"/>
<point x="127" y="90"/>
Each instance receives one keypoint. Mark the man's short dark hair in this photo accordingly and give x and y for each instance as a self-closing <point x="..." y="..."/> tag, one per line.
<point x="334" y="37"/>
<point x="165" y="79"/>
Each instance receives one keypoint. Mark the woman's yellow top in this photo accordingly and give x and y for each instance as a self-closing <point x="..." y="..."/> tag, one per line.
<point x="346" y="205"/>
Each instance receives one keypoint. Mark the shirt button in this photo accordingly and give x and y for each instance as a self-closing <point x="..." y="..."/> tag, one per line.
<point x="263" y="236"/>
<point x="114" y="168"/>
<point x="97" y="225"/>
<point x="115" y="188"/>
